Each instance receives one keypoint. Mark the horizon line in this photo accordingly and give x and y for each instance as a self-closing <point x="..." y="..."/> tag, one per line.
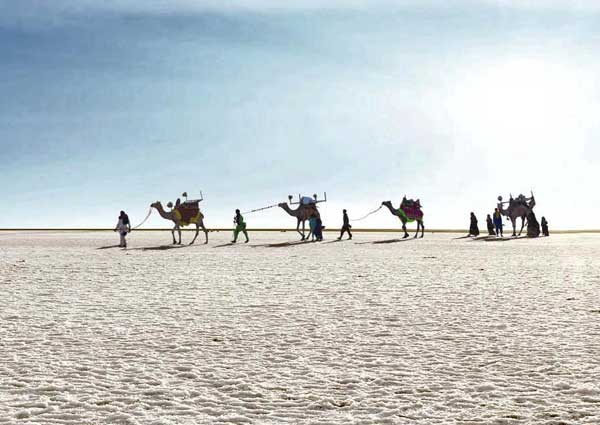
<point x="282" y="230"/>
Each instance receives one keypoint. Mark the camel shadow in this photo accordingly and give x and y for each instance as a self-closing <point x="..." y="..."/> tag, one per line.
<point x="335" y="241"/>
<point x="503" y="239"/>
<point x="483" y="238"/>
<point x="386" y="241"/>
<point x="282" y="244"/>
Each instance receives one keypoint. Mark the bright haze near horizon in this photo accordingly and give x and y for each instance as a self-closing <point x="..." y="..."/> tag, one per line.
<point x="115" y="104"/>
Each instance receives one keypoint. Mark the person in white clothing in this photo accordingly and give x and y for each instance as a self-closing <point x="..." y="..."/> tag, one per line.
<point x="123" y="227"/>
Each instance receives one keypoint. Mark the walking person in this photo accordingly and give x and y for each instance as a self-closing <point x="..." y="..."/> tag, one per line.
<point x="473" y="228"/>
<point x="123" y="227"/>
<point x="346" y="226"/>
<point x="490" y="225"/>
<point x="240" y="226"/>
<point x="498" y="223"/>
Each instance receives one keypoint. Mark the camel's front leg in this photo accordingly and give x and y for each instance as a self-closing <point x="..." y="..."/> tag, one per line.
<point x="522" y="225"/>
<point x="205" y="233"/>
<point x="404" y="229"/>
<point x="196" y="235"/>
<point x="422" y="229"/>
<point x="298" y="230"/>
<point x="514" y="225"/>
<point x="173" y="234"/>
<point x="179" y="233"/>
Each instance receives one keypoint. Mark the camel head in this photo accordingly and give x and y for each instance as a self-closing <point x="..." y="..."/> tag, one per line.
<point x="282" y="205"/>
<point x="387" y="203"/>
<point x="156" y="205"/>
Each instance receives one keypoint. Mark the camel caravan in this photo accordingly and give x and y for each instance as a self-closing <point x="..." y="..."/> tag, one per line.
<point x="188" y="212"/>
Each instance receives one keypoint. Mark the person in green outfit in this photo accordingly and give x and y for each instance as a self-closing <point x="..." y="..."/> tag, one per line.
<point x="240" y="226"/>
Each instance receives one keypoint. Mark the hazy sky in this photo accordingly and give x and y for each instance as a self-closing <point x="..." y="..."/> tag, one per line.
<point x="110" y="105"/>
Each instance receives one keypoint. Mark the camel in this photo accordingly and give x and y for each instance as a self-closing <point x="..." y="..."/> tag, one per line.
<point x="517" y="208"/>
<point x="406" y="216"/>
<point x="176" y="217"/>
<point x="302" y="213"/>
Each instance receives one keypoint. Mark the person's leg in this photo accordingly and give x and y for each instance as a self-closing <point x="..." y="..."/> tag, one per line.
<point x="349" y="233"/>
<point x="122" y="239"/>
<point x="246" y="234"/>
<point x="236" y="232"/>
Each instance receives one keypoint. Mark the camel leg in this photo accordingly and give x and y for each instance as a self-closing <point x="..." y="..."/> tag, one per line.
<point x="514" y="225"/>
<point x="196" y="235"/>
<point x="522" y="225"/>
<point x="404" y="228"/>
<point x="422" y="229"/>
<point x="205" y="232"/>
<point x="179" y="233"/>
<point x="173" y="234"/>
<point x="298" y="230"/>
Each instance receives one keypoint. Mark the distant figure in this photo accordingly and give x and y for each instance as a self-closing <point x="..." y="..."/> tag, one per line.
<point x="123" y="227"/>
<point x="490" y="225"/>
<point x="318" y="229"/>
<point x="312" y="224"/>
<point x="177" y="203"/>
<point x="545" y="231"/>
<point x="473" y="228"/>
<point x="346" y="226"/>
<point x="240" y="226"/>
<point x="533" y="227"/>
<point x="498" y="223"/>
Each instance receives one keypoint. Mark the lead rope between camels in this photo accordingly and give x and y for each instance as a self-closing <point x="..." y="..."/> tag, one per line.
<point x="260" y="209"/>
<point x="143" y="221"/>
<point x="371" y="213"/>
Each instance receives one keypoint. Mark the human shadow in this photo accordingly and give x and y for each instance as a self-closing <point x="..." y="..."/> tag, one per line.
<point x="386" y="241"/>
<point x="109" y="247"/>
<point x="229" y="244"/>
<point x="282" y="244"/>
<point x="160" y="248"/>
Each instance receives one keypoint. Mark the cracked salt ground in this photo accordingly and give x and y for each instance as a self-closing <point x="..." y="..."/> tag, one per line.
<point x="427" y="331"/>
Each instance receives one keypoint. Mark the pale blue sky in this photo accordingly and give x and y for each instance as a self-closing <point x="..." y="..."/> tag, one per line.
<point x="115" y="104"/>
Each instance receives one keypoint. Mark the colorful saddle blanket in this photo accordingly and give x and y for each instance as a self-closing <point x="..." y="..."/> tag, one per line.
<point x="411" y="210"/>
<point x="188" y="212"/>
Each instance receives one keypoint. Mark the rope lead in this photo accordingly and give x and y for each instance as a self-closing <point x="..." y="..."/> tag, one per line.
<point x="148" y="216"/>
<point x="371" y="213"/>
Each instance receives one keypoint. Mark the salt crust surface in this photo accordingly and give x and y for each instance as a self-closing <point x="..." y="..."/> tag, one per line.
<point x="431" y="331"/>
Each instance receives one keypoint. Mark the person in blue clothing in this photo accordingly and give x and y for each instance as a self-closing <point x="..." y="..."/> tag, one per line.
<point x="312" y="224"/>
<point x="498" y="222"/>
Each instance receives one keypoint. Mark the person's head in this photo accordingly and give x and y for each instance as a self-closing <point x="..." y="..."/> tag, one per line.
<point x="237" y="212"/>
<point x="496" y="210"/>
<point x="488" y="216"/>
<point x="122" y="213"/>
<point x="344" y="211"/>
